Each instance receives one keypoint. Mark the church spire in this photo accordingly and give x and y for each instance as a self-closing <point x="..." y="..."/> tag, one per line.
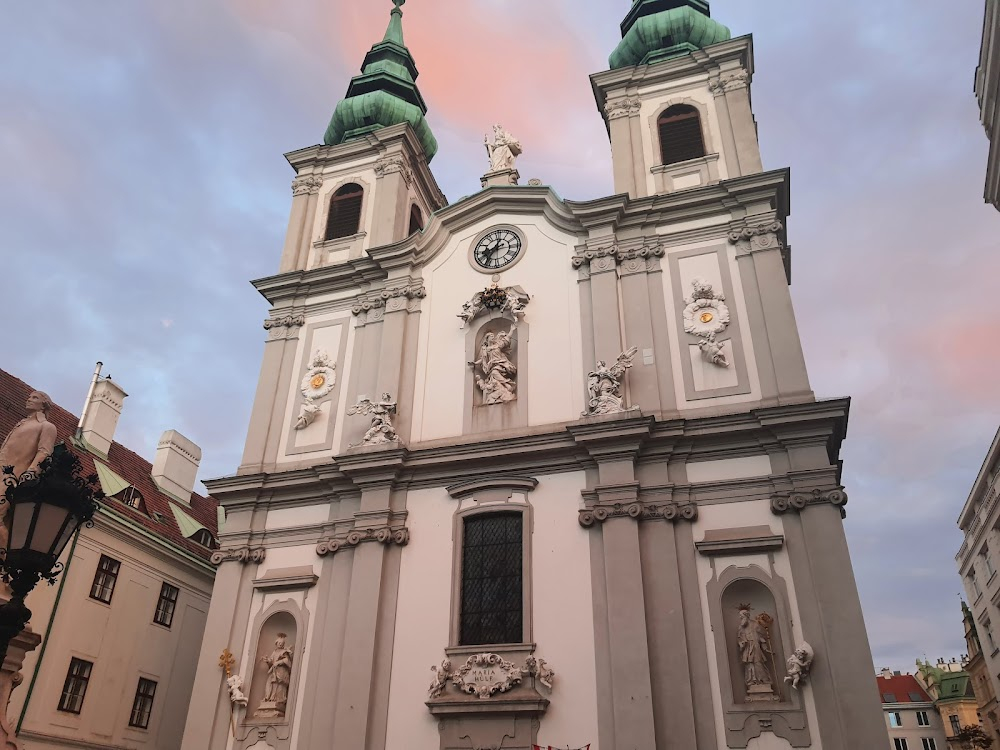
<point x="384" y="94"/>
<point x="656" y="30"/>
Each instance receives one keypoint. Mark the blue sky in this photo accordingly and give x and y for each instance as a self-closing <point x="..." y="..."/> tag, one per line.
<point x="142" y="185"/>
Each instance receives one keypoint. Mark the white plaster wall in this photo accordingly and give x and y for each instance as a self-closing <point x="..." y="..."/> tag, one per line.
<point x="736" y="515"/>
<point x="654" y="99"/>
<point x="736" y="301"/>
<point x="330" y="328"/>
<point x="554" y="381"/>
<point x="562" y="617"/>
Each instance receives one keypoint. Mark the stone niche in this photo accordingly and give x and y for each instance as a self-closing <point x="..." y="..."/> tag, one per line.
<point x="483" y="417"/>
<point x="757" y="595"/>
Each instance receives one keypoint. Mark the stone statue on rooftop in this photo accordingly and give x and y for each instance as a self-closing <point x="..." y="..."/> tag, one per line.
<point x="503" y="151"/>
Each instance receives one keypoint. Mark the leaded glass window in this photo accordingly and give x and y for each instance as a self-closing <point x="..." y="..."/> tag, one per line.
<point x="492" y="580"/>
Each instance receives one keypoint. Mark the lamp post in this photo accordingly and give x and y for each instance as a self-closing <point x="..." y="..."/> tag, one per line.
<point x="44" y="512"/>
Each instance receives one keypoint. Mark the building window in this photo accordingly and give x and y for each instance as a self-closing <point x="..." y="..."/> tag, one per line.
<point x="492" y="584"/>
<point x="974" y="583"/>
<point x="165" y="606"/>
<point x="75" y="687"/>
<point x="204" y="538"/>
<point x="680" y="133"/>
<point x="895" y="719"/>
<point x="888" y="697"/>
<point x="929" y="743"/>
<point x="955" y="726"/>
<point x="988" y="627"/>
<point x="344" y="218"/>
<point x="132" y="498"/>
<point x="142" y="706"/>
<point x="105" y="579"/>
<point x="922" y="719"/>
<point x="900" y="743"/>
<point x="987" y="562"/>
<point x="416" y="219"/>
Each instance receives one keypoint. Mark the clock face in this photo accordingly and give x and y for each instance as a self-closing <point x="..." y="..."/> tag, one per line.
<point x="499" y="248"/>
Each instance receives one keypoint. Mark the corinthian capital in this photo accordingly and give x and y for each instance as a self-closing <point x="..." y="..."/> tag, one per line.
<point x="307" y="185"/>
<point x="625" y="107"/>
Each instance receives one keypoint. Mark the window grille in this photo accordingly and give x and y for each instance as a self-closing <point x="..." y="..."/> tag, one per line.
<point x="166" y="605"/>
<point x="75" y="687"/>
<point x="344" y="218"/>
<point x="492" y="586"/>
<point x="681" y="138"/>
<point x="416" y="219"/>
<point x="142" y="706"/>
<point x="105" y="579"/>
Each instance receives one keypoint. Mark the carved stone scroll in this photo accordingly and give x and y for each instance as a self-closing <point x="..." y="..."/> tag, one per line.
<point x="484" y="675"/>
<point x="244" y="555"/>
<point x="398" y="535"/>
<point x="671" y="511"/>
<point x="799" y="501"/>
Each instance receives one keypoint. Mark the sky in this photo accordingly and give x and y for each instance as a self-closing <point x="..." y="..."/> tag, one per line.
<point x="142" y="185"/>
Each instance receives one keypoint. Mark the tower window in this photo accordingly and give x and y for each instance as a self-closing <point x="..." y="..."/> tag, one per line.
<point x="492" y="588"/>
<point x="416" y="219"/>
<point x="344" y="218"/>
<point x="680" y="133"/>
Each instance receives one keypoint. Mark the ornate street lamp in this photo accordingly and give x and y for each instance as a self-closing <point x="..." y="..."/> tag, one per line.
<point x="44" y="512"/>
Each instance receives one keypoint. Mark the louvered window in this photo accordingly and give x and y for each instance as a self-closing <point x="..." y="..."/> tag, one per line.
<point x="416" y="219"/>
<point x="492" y="582"/>
<point x="681" y="138"/>
<point x="344" y="218"/>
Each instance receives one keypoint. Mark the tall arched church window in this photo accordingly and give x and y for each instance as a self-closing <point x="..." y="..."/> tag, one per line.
<point x="681" y="137"/>
<point x="416" y="219"/>
<point x="492" y="579"/>
<point x="344" y="218"/>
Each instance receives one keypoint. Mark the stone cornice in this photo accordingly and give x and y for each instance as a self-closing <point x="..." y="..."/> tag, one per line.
<point x="492" y="482"/>
<point x="798" y="501"/>
<point x="671" y="511"/>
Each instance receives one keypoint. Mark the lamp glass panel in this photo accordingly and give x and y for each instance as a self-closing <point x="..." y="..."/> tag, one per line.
<point x="20" y="525"/>
<point x="50" y="522"/>
<point x="67" y="534"/>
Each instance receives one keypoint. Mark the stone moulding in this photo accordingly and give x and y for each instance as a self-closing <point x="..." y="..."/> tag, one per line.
<point x="307" y="185"/>
<point x="625" y="107"/>
<point x="284" y="327"/>
<point x="380" y="534"/>
<point x="394" y="164"/>
<point x="799" y="501"/>
<point x="671" y="511"/>
<point x="244" y="555"/>
<point x="759" y="237"/>
<point x="734" y="81"/>
<point x="608" y="258"/>
<point x="371" y="308"/>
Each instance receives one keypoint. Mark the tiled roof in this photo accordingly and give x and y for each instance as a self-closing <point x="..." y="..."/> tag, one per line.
<point x="904" y="688"/>
<point x="130" y="466"/>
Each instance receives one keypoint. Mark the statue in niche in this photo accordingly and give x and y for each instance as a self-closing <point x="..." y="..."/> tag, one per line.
<point x="605" y="384"/>
<point x="25" y="447"/>
<point x="381" y="430"/>
<point x="503" y="151"/>
<point x="753" y="636"/>
<point x="279" y="675"/>
<point x="495" y="372"/>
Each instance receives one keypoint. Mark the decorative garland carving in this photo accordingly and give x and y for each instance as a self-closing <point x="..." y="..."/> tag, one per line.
<point x="244" y="555"/>
<point x="484" y="675"/>
<point x="759" y="237"/>
<point x="799" y="501"/>
<point x="510" y="299"/>
<point x="393" y="164"/>
<point x="671" y="511"/>
<point x="626" y="107"/>
<point x="705" y="316"/>
<point x="399" y="535"/>
<point x="307" y="185"/>
<point x="318" y="382"/>
<point x="739" y="79"/>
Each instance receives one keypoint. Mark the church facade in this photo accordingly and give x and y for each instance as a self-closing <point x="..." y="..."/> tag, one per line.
<point x="524" y="470"/>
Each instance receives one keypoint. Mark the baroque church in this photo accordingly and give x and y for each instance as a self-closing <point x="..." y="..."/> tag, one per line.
<point x="529" y="471"/>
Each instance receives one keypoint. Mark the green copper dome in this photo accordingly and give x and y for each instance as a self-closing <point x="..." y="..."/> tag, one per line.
<point x="660" y="29"/>
<point x="384" y="94"/>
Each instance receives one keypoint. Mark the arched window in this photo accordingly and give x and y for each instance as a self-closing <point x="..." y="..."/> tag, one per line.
<point x="344" y="218"/>
<point x="416" y="219"/>
<point x="204" y="538"/>
<point x="680" y="133"/>
<point x="492" y="579"/>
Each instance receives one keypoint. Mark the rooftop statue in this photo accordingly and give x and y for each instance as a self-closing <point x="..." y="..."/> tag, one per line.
<point x="503" y="151"/>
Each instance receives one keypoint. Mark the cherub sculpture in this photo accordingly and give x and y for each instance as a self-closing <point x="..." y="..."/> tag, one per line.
<point x="605" y="384"/>
<point x="799" y="665"/>
<point x="381" y="413"/>
<point x="441" y="676"/>
<point x="713" y="351"/>
<point x="307" y="414"/>
<point x="236" y="695"/>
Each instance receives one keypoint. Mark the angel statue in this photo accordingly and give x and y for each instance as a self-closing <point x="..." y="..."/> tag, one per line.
<point x="494" y="370"/>
<point x="605" y="384"/>
<point x="799" y="664"/>
<point x="441" y="676"/>
<point x="381" y="413"/>
<point x="503" y="151"/>
<point x="235" y="684"/>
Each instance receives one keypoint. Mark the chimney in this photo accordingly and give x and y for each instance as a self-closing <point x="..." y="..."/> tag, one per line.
<point x="100" y="415"/>
<point x="175" y="466"/>
<point x="886" y="673"/>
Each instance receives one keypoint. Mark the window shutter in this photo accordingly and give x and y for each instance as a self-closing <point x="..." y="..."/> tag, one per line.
<point x="344" y="218"/>
<point x="681" y="138"/>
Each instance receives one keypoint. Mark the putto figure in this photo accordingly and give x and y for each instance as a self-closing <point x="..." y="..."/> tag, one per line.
<point x="799" y="665"/>
<point x="605" y="384"/>
<point x="503" y="151"/>
<point x="441" y="676"/>
<point x="381" y="412"/>
<point x="236" y="694"/>
<point x="279" y="675"/>
<point x="495" y="372"/>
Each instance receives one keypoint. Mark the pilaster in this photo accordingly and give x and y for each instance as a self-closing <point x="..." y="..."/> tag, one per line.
<point x="736" y="91"/>
<point x="622" y="114"/>
<point x="393" y="180"/>
<point x="305" y="191"/>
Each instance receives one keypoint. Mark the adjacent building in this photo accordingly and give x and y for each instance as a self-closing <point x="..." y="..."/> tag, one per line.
<point x="950" y="687"/>
<point x="988" y="94"/>
<point x="978" y="559"/>
<point x="122" y="627"/>
<point x="979" y="676"/>
<point x="566" y="452"/>
<point x="910" y="715"/>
